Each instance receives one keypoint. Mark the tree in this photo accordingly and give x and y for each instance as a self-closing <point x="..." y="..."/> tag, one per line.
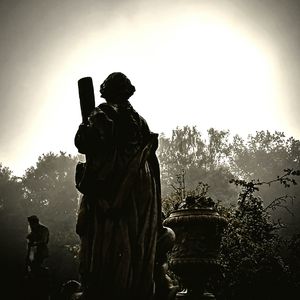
<point x="261" y="156"/>
<point x="11" y="192"/>
<point x="200" y="159"/>
<point x="264" y="154"/>
<point x="13" y="229"/>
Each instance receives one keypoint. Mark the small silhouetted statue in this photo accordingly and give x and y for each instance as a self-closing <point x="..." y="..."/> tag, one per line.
<point x="37" y="284"/>
<point x="38" y="239"/>
<point x="119" y="220"/>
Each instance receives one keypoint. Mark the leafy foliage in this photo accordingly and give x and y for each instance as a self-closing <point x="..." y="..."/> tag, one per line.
<point x="11" y="191"/>
<point x="261" y="156"/>
<point x="198" y="198"/>
<point x="252" y="249"/>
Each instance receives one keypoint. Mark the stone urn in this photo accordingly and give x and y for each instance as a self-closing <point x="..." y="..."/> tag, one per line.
<point x="194" y="257"/>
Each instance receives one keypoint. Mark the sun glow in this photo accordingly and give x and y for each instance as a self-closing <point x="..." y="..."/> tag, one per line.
<point x="191" y="69"/>
<point x="199" y="68"/>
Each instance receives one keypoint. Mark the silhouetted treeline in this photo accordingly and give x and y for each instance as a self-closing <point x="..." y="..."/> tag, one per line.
<point x="47" y="190"/>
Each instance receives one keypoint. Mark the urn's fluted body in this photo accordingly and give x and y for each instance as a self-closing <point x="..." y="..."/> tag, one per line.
<point x="197" y="245"/>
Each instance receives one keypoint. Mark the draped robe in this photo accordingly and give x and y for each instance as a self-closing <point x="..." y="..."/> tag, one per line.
<point x="120" y="211"/>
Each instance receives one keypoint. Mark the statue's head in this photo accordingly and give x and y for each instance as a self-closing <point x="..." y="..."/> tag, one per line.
<point x="116" y="88"/>
<point x="33" y="220"/>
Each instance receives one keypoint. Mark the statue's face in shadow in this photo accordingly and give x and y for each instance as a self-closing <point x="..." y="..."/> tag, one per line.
<point x="33" y="225"/>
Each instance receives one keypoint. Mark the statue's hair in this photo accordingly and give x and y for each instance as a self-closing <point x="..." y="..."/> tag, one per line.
<point x="33" y="219"/>
<point x="117" y="86"/>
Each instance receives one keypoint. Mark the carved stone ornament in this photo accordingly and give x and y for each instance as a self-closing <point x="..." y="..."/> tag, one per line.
<point x="194" y="257"/>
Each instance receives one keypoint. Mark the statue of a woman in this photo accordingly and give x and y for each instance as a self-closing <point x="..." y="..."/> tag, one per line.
<point x="120" y="212"/>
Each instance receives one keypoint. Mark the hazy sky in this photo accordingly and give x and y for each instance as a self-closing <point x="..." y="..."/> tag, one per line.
<point x="223" y="64"/>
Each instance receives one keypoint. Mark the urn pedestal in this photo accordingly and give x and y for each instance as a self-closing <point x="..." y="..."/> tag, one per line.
<point x="194" y="256"/>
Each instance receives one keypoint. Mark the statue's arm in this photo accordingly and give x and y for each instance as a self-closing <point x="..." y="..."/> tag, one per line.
<point x="87" y="139"/>
<point x="95" y="136"/>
